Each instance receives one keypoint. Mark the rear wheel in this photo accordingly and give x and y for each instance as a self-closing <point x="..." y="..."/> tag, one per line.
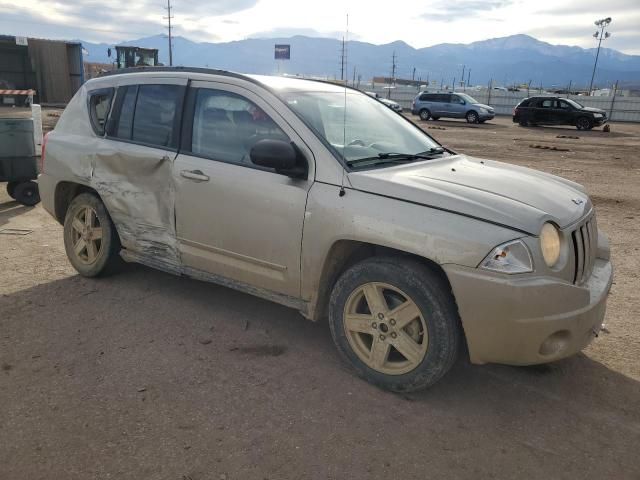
<point x="522" y="122"/>
<point x="395" y="322"/>
<point x="26" y="193"/>
<point x="425" y="114"/>
<point x="90" y="238"/>
<point x="584" y="123"/>
<point x="435" y="118"/>
<point x="472" y="117"/>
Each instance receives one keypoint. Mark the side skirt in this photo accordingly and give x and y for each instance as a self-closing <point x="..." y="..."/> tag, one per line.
<point x="153" y="262"/>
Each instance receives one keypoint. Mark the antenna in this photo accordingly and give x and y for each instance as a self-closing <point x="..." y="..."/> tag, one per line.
<point x="169" y="17"/>
<point x="344" y="111"/>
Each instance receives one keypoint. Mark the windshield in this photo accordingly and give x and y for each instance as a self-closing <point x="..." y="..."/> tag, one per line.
<point x="573" y="103"/>
<point x="370" y="128"/>
<point x="467" y="98"/>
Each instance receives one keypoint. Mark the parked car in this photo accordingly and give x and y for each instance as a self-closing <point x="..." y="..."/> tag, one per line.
<point x="267" y="185"/>
<point x="395" y="106"/>
<point x="557" y="111"/>
<point x="451" y="105"/>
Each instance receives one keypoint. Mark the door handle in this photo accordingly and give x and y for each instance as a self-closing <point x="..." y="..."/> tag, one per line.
<point x="196" y="175"/>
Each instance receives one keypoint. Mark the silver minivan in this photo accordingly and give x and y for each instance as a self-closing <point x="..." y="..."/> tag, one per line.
<point x="451" y="105"/>
<point x="326" y="201"/>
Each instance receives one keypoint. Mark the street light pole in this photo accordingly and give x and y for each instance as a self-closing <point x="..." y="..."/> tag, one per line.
<point x="600" y="35"/>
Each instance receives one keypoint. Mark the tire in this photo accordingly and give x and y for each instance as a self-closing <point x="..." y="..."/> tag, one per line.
<point x="472" y="116"/>
<point x="11" y="187"/>
<point x="431" y="336"/>
<point x="584" y="123"/>
<point x="435" y="118"/>
<point x="100" y="258"/>
<point x="425" y="114"/>
<point x="523" y="123"/>
<point x="26" y="193"/>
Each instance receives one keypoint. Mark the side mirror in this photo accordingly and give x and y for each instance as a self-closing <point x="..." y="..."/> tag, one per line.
<point x="283" y="157"/>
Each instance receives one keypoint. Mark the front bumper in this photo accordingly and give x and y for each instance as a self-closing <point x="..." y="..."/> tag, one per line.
<point x="487" y="116"/>
<point x="598" y="122"/>
<point x="518" y="320"/>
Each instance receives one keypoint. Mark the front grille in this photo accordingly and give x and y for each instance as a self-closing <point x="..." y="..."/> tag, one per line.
<point x="585" y="244"/>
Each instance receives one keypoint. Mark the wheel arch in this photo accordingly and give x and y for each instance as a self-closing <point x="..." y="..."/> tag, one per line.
<point x="65" y="192"/>
<point x="346" y="253"/>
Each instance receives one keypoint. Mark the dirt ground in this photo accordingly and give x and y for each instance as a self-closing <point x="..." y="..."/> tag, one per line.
<point x="143" y="375"/>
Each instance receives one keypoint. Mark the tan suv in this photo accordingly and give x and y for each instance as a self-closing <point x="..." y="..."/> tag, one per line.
<point x="322" y="199"/>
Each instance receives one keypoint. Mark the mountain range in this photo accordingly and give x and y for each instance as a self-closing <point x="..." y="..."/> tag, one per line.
<point x="507" y="60"/>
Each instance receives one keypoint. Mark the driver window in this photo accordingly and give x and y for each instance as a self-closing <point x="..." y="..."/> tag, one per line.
<point x="456" y="99"/>
<point x="564" y="105"/>
<point x="546" y="104"/>
<point x="226" y="126"/>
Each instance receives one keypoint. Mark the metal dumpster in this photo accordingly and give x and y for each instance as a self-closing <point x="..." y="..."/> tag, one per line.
<point x="18" y="165"/>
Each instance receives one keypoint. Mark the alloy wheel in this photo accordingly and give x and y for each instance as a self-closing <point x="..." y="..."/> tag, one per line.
<point x="87" y="235"/>
<point x="385" y="328"/>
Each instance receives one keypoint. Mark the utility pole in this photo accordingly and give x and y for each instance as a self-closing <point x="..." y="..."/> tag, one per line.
<point x="393" y="68"/>
<point x="468" y="77"/>
<point x="413" y="75"/>
<point x="342" y="61"/>
<point x="600" y="35"/>
<point x="462" y="77"/>
<point x="168" y="18"/>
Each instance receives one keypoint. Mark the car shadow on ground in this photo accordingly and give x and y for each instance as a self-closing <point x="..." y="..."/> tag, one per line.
<point x="455" y="123"/>
<point x="11" y="209"/>
<point x="146" y="350"/>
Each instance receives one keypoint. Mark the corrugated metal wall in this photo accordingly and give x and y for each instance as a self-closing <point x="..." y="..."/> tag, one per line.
<point x="51" y="64"/>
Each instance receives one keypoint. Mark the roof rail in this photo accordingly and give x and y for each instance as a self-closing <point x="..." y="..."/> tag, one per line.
<point x="211" y="71"/>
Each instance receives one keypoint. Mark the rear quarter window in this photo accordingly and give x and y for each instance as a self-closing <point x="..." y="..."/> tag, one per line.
<point x="99" y="107"/>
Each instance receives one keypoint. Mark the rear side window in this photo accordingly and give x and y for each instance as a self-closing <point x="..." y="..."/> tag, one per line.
<point x="154" y="121"/>
<point x="126" y="108"/>
<point x="547" y="103"/>
<point x="99" y="106"/>
<point x="148" y="114"/>
<point x="524" y="103"/>
<point x="425" y="97"/>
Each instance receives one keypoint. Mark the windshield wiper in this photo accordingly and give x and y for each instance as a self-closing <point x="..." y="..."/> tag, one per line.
<point x="395" y="157"/>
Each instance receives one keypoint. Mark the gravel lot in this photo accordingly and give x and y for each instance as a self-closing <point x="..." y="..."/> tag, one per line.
<point x="143" y="375"/>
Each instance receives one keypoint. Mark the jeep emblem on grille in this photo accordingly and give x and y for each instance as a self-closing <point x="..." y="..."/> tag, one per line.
<point x="577" y="201"/>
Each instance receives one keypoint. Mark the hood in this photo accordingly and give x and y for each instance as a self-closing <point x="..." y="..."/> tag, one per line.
<point x="516" y="197"/>
<point x="482" y="105"/>
<point x="593" y="110"/>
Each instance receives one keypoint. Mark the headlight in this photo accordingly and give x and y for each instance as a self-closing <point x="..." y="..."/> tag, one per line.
<point x="483" y="111"/>
<point x="550" y="244"/>
<point x="510" y="257"/>
<point x="597" y="115"/>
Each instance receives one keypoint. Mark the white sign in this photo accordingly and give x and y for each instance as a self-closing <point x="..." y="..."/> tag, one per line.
<point x="22" y="41"/>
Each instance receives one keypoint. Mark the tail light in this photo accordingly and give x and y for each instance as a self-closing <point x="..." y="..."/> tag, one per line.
<point x="44" y="147"/>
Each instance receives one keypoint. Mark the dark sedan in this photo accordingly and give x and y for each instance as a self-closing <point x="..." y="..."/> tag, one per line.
<point x="557" y="111"/>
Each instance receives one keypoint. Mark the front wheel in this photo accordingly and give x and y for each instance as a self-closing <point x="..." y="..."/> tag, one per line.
<point x="90" y="238"/>
<point x="523" y="123"/>
<point x="472" y="117"/>
<point x="425" y="114"/>
<point x="584" y="123"/>
<point x="395" y="322"/>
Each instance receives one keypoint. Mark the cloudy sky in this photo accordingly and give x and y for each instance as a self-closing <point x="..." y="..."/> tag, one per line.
<point x="420" y="24"/>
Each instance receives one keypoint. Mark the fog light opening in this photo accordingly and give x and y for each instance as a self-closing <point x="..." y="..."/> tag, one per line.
<point x="555" y="343"/>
